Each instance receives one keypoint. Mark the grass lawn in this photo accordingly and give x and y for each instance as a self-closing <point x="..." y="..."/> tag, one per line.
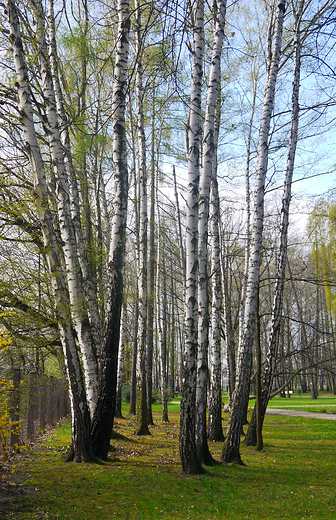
<point x="324" y="403"/>
<point x="294" y="477"/>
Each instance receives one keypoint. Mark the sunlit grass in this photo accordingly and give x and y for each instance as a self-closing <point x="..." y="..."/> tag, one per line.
<point x="293" y="478"/>
<point x="324" y="403"/>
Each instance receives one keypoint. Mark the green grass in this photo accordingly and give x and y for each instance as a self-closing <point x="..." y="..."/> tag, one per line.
<point x="324" y="403"/>
<point x="294" y="477"/>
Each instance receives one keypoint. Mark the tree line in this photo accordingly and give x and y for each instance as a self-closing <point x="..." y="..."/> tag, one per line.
<point x="126" y="126"/>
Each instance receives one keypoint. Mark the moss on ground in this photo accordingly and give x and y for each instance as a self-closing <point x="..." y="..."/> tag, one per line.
<point x="293" y="477"/>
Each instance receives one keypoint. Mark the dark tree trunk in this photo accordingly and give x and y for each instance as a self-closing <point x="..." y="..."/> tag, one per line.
<point x="15" y="409"/>
<point x="102" y="422"/>
<point x="151" y="292"/>
<point x="43" y="401"/>
<point x="132" y="407"/>
<point x="164" y="342"/>
<point x="32" y="406"/>
<point x="259" y="413"/>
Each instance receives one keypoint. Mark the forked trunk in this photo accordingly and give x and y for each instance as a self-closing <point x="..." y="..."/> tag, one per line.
<point x="88" y="285"/>
<point x="251" y="436"/>
<point x="104" y="413"/>
<point x="69" y="244"/>
<point x="208" y="157"/>
<point x="81" y="440"/>
<point x="230" y="451"/>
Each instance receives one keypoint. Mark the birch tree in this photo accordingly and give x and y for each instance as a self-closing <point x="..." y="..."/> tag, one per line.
<point x="88" y="286"/>
<point x="230" y="451"/>
<point x="215" y="429"/>
<point x="104" y="412"/>
<point x="121" y="358"/>
<point x="190" y="461"/>
<point x="151" y="285"/>
<point x="253" y="432"/>
<point x="67" y="231"/>
<point x="142" y="423"/>
<point x="81" y="440"/>
<point x="208" y="158"/>
<point x="161" y="338"/>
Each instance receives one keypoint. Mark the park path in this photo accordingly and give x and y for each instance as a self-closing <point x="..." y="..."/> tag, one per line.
<point x="294" y="413"/>
<point x="297" y="413"/>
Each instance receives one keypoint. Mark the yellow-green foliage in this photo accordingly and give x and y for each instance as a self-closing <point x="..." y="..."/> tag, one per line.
<point x="322" y="231"/>
<point x="6" y="386"/>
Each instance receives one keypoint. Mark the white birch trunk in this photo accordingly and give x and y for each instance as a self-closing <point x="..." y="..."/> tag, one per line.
<point x="121" y="358"/>
<point x="132" y="407"/>
<point x="208" y="158"/>
<point x="142" y="426"/>
<point x="189" y="459"/>
<point x="215" y="430"/>
<point x="278" y="293"/>
<point x="248" y="209"/>
<point x="81" y="442"/>
<point x="159" y="326"/>
<point x="282" y="261"/>
<point x="88" y="285"/>
<point x="232" y="440"/>
<point x="76" y="293"/>
<point x="179" y="227"/>
<point x="228" y="325"/>
<point x="182" y="255"/>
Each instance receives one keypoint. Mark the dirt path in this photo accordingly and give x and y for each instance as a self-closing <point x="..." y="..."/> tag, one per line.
<point x="296" y="413"/>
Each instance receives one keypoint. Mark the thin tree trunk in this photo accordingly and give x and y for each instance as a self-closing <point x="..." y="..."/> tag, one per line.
<point x="259" y="418"/>
<point x="159" y="320"/>
<point x="228" y="325"/>
<point x="189" y="459"/>
<point x="230" y="451"/>
<point x="172" y="335"/>
<point x="121" y="358"/>
<point x="132" y="407"/>
<point x="248" y="208"/>
<point x="142" y="422"/>
<point x="215" y="428"/>
<point x="179" y="228"/>
<point x="15" y="410"/>
<point x="151" y="292"/>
